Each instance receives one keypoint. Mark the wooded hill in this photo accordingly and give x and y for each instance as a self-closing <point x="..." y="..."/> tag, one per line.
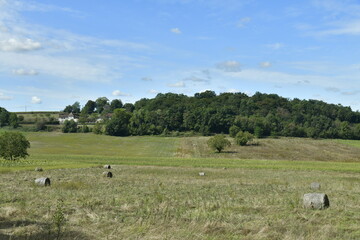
<point x="208" y="113"/>
<point x="260" y="114"/>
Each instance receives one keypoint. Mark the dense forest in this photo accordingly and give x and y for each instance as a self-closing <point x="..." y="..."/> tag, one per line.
<point x="207" y="113"/>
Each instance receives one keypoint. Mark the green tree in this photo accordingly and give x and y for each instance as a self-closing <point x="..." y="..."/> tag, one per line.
<point x="218" y="142"/>
<point x="83" y="118"/>
<point x="129" y="107"/>
<point x="101" y="102"/>
<point x="89" y="107"/>
<point x="116" y="103"/>
<point x="69" y="126"/>
<point x="98" y="128"/>
<point x="4" y="117"/>
<point x="13" y="120"/>
<point x="40" y="125"/>
<point x="118" y="125"/>
<point x="21" y="118"/>
<point x="13" y="145"/>
<point x="242" y="138"/>
<point x="76" y="107"/>
<point x="84" y="129"/>
<point x="234" y="130"/>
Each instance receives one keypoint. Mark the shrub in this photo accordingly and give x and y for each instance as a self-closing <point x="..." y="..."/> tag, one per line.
<point x="58" y="218"/>
<point x="233" y="130"/>
<point x="40" y="125"/>
<point x="259" y="132"/>
<point x="98" y="128"/>
<point x="13" y="145"/>
<point x="218" y="142"/>
<point x="21" y="118"/>
<point x="69" y="126"/>
<point x="84" y="129"/>
<point x="242" y="138"/>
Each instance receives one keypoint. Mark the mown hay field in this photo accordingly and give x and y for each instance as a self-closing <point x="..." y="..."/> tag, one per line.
<point x="157" y="193"/>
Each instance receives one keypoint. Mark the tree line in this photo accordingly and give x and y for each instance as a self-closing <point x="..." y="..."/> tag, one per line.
<point x="207" y="113"/>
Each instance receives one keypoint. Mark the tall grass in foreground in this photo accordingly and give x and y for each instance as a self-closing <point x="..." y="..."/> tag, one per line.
<point x="175" y="203"/>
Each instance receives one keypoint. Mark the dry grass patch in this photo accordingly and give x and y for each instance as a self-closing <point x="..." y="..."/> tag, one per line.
<point x="297" y="149"/>
<point x="176" y="203"/>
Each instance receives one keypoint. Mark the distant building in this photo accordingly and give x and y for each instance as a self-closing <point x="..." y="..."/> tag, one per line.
<point x="64" y="116"/>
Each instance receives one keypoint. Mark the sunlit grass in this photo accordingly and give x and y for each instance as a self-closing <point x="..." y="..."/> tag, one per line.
<point x="58" y="150"/>
<point x="251" y="192"/>
<point x="354" y="143"/>
<point x="150" y="202"/>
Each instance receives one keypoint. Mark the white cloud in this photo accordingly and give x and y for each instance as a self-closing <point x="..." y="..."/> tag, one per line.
<point x="65" y="56"/>
<point x="280" y="78"/>
<point x="180" y="84"/>
<point x="275" y="46"/>
<point x="195" y="79"/>
<point x="153" y="91"/>
<point x="232" y="90"/>
<point x="207" y="73"/>
<point x="4" y="97"/>
<point x="25" y="72"/>
<point x="204" y="90"/>
<point x="119" y="93"/>
<point x="18" y="45"/>
<point x="69" y="68"/>
<point x="146" y="79"/>
<point x="320" y="67"/>
<point x="242" y="22"/>
<point x="35" y="100"/>
<point x="347" y="28"/>
<point x="332" y="89"/>
<point x="265" y="64"/>
<point x="3" y="28"/>
<point x="176" y="30"/>
<point x="342" y="16"/>
<point x="229" y="66"/>
<point x="33" y="6"/>
<point x="337" y="7"/>
<point x="350" y="93"/>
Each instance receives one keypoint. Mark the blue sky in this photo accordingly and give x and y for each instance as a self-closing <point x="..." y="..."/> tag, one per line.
<point x="53" y="53"/>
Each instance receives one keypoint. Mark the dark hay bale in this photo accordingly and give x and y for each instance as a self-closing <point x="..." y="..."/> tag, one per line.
<point x="316" y="201"/>
<point x="107" y="174"/>
<point x="107" y="166"/>
<point x="38" y="169"/>
<point x="44" y="181"/>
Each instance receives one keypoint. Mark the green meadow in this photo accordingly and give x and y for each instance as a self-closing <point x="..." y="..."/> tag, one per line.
<point x="58" y="150"/>
<point x="251" y="192"/>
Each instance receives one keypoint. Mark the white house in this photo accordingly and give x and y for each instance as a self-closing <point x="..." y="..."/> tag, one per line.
<point x="64" y="117"/>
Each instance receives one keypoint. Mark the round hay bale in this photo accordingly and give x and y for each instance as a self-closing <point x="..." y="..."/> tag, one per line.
<point x="107" y="174"/>
<point x="107" y="166"/>
<point x="315" y="186"/>
<point x="316" y="201"/>
<point x="38" y="169"/>
<point x="44" y="181"/>
<point x="201" y="174"/>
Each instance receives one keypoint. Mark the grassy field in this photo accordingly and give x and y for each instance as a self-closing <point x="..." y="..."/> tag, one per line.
<point x="57" y="150"/>
<point x="34" y="116"/>
<point x="251" y="192"/>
